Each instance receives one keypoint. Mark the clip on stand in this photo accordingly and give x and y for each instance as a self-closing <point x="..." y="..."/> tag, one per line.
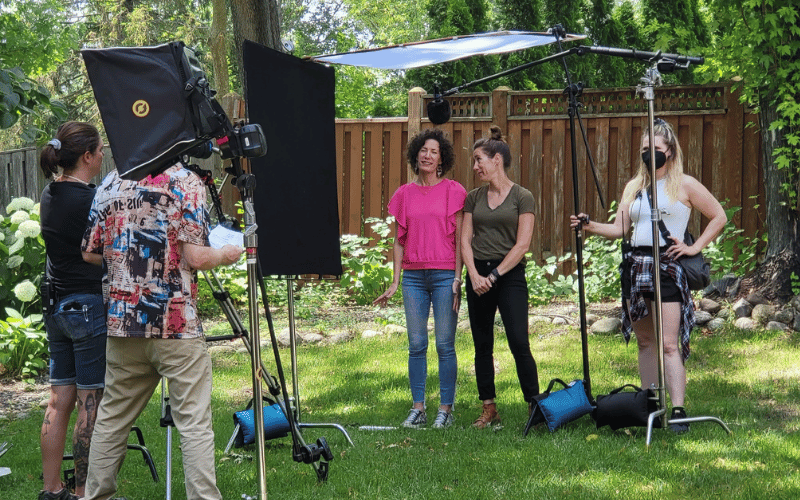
<point x="651" y="79"/>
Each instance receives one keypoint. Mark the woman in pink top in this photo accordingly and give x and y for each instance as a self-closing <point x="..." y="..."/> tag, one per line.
<point x="428" y="213"/>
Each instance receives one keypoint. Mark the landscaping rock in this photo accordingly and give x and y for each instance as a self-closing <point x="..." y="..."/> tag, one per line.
<point x="242" y="350"/>
<point x="785" y="315"/>
<point x="715" y="324"/>
<point x="777" y="325"/>
<point x="710" y="306"/>
<point x="756" y="299"/>
<point x="535" y="319"/>
<point x="392" y="329"/>
<point x="724" y="313"/>
<point x="312" y="338"/>
<point x="746" y="323"/>
<point x="742" y="308"/>
<point x="464" y="325"/>
<point x="368" y="334"/>
<point x="795" y="303"/>
<point x="558" y="320"/>
<point x="762" y="313"/>
<point x="702" y="317"/>
<point x="796" y="325"/>
<point x="284" y="338"/>
<point x="606" y="326"/>
<point x="337" y="338"/>
<point x="591" y="319"/>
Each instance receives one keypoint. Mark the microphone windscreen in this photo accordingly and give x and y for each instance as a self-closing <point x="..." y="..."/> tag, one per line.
<point x="439" y="111"/>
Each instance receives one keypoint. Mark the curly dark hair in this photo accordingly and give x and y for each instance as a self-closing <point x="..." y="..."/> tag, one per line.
<point x="445" y="149"/>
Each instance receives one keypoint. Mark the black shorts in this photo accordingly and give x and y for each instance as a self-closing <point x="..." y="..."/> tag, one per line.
<point x="670" y="291"/>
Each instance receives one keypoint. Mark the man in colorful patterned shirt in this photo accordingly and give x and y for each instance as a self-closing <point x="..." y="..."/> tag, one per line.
<point x="153" y="237"/>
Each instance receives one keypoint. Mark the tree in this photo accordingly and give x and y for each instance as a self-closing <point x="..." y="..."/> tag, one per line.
<point x="759" y="41"/>
<point x="257" y="21"/>
<point x="33" y="43"/>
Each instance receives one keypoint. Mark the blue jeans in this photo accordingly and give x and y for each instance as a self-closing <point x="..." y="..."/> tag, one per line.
<point x="421" y="288"/>
<point x="76" y="333"/>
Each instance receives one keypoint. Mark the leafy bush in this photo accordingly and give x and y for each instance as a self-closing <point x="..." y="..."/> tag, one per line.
<point x="23" y="345"/>
<point x="22" y="256"/>
<point x="732" y="253"/>
<point x="367" y="271"/>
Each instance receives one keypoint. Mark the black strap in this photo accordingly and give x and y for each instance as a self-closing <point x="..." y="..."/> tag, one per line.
<point x="618" y="389"/>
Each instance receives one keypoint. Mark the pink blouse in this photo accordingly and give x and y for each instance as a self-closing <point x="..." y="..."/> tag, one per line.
<point x="426" y="223"/>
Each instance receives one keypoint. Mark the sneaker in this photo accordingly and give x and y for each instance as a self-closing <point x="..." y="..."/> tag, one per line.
<point x="678" y="428"/>
<point x="64" y="494"/>
<point x="416" y="418"/>
<point x="488" y="418"/>
<point x="443" y="419"/>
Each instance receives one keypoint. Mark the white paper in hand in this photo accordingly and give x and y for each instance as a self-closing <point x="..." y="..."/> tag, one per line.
<point x="221" y="236"/>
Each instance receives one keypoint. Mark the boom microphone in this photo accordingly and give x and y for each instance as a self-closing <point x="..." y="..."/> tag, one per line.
<point x="438" y="108"/>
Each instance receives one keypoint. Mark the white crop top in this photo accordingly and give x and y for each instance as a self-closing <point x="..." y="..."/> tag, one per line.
<point x="674" y="214"/>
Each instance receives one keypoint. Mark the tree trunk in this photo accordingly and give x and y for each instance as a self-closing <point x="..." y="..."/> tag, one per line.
<point x="772" y="278"/>
<point x="258" y="21"/>
<point x="219" y="47"/>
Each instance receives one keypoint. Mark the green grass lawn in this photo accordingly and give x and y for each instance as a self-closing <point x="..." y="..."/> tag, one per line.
<point x="752" y="382"/>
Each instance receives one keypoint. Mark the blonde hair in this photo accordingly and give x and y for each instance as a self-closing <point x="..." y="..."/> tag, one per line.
<point x="674" y="164"/>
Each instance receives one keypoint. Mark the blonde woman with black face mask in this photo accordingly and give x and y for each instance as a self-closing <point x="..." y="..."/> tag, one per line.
<point x="677" y="194"/>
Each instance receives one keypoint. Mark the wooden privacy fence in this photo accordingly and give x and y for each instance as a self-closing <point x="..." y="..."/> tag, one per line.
<point x="719" y="146"/>
<point x="720" y="149"/>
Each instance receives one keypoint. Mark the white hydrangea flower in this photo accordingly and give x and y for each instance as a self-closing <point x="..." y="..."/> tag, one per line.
<point x="30" y="229"/>
<point x="35" y="209"/>
<point x="2" y="219"/>
<point x="19" y="217"/>
<point x="2" y="236"/>
<point x="21" y="203"/>
<point x="25" y="291"/>
<point x="18" y="235"/>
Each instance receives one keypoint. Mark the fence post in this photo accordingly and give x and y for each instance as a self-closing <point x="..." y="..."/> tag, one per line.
<point x="500" y="108"/>
<point x="414" y="116"/>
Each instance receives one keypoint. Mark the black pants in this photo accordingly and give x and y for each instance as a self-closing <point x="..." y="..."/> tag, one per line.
<point x="510" y="295"/>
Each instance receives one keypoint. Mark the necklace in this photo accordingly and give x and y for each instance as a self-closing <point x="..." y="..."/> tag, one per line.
<point x="74" y="179"/>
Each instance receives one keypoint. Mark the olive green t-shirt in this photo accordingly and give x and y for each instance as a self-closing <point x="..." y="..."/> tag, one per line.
<point x="494" y="232"/>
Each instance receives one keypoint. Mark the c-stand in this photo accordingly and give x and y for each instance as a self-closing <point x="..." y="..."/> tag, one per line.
<point x="319" y="454"/>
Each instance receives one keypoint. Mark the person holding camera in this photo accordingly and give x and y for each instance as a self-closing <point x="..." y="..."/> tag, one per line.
<point x="498" y="227"/>
<point x="76" y="320"/>
<point x="677" y="194"/>
<point x="153" y="237"/>
<point x="427" y="227"/>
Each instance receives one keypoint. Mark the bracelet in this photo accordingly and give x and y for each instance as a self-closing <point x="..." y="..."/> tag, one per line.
<point x="458" y="280"/>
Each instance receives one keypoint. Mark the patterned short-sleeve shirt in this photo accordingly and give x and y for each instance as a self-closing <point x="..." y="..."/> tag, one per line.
<point x="149" y="288"/>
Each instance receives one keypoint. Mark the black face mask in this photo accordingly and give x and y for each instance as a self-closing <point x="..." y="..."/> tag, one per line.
<point x="661" y="159"/>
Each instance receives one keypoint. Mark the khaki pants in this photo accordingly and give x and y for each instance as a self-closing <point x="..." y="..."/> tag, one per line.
<point x="134" y="368"/>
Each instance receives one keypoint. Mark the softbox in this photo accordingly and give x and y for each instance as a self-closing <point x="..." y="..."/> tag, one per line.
<point x="295" y="198"/>
<point x="143" y="103"/>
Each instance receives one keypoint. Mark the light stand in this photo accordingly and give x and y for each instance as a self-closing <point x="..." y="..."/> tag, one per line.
<point x="651" y="79"/>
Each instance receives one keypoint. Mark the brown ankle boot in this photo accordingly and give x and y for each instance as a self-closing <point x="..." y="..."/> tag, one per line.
<point x="488" y="418"/>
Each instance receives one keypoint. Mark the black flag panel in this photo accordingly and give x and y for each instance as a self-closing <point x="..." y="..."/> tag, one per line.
<point x="295" y="197"/>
